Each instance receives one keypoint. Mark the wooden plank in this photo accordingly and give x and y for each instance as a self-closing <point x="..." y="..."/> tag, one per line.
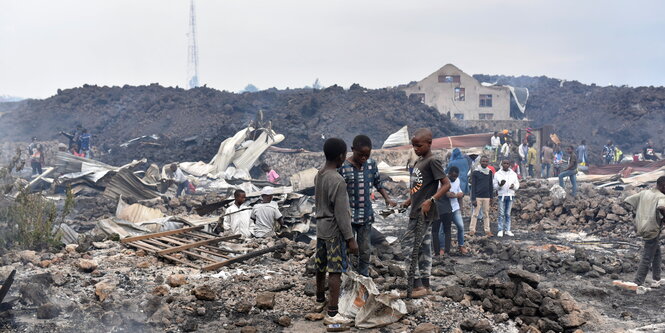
<point x="159" y="234"/>
<point x="189" y="246"/>
<point x="243" y="257"/>
<point x="145" y="246"/>
<point x="196" y="255"/>
<point x="150" y="248"/>
<point x="201" y="248"/>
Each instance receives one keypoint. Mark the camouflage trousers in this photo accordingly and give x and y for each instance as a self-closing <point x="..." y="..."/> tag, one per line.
<point x="424" y="265"/>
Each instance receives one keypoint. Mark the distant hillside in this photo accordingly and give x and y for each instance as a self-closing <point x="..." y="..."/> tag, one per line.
<point x="117" y="114"/>
<point x="627" y="115"/>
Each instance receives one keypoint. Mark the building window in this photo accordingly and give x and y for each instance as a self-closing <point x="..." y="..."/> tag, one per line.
<point x="459" y="94"/>
<point x="449" y="78"/>
<point x="485" y="101"/>
<point x="486" y="116"/>
<point x="459" y="116"/>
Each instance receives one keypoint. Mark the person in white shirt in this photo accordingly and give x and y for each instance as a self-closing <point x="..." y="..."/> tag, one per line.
<point x="506" y="183"/>
<point x="523" y="150"/>
<point x="495" y="142"/>
<point x="505" y="149"/>
<point x="455" y="194"/>
<point x="237" y="216"/>
<point x="265" y="214"/>
<point x="179" y="178"/>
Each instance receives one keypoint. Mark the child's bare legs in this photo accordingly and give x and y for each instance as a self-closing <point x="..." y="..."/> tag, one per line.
<point x="334" y="283"/>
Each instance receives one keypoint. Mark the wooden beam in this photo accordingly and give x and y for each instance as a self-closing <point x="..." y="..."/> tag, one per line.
<point x="189" y="246"/>
<point x="243" y="257"/>
<point x="159" y="234"/>
<point x="196" y="244"/>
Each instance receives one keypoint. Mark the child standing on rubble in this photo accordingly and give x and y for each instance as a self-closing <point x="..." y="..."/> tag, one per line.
<point x="334" y="233"/>
<point x="361" y="174"/>
<point x="650" y="215"/>
<point x="426" y="177"/>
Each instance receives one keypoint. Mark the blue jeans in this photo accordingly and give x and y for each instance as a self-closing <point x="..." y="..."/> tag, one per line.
<point x="181" y="187"/>
<point x="459" y="224"/>
<point x="362" y="233"/>
<point x="573" y="179"/>
<point x="543" y="173"/>
<point x="505" y="206"/>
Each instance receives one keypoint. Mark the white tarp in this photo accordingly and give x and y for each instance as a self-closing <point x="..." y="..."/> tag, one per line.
<point x="360" y="299"/>
<point x="236" y="155"/>
<point x="398" y="139"/>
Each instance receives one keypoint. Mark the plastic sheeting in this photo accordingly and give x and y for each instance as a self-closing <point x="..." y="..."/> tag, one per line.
<point x="399" y="138"/>
<point x="236" y="155"/>
<point x="360" y="299"/>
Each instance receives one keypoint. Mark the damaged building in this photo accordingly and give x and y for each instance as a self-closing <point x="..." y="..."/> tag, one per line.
<point x="469" y="102"/>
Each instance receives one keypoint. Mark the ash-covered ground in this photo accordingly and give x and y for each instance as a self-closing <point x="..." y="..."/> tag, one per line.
<point x="555" y="275"/>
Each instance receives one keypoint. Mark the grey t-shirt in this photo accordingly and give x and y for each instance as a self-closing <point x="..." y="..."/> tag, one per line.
<point x="424" y="183"/>
<point x="333" y="213"/>
<point x="264" y="216"/>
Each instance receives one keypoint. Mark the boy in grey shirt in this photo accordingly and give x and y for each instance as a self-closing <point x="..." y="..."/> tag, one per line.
<point x="333" y="229"/>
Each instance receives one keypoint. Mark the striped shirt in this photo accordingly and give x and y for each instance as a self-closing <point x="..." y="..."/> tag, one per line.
<point x="359" y="184"/>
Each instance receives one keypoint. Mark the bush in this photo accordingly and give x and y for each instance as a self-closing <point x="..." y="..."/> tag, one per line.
<point x="31" y="221"/>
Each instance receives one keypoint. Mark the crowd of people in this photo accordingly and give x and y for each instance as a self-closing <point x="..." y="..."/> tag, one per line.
<point x="344" y="213"/>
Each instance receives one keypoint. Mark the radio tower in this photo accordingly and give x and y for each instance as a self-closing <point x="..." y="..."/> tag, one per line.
<point x="193" y="53"/>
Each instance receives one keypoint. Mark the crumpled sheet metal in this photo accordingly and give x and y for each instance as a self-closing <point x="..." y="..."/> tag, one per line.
<point x="235" y="151"/>
<point x="397" y="139"/>
<point x="125" y="183"/>
<point x="136" y="212"/>
<point x="303" y="179"/>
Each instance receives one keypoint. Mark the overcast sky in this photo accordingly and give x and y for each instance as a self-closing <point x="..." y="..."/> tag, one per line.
<point x="51" y="44"/>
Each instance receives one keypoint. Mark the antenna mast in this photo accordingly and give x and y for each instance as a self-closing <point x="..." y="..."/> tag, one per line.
<point x="193" y="52"/>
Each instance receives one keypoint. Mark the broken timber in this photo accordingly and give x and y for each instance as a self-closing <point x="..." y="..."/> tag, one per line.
<point x="178" y="245"/>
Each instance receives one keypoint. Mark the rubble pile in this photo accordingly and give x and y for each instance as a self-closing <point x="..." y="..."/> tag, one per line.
<point x="596" y="211"/>
<point x="199" y="118"/>
<point x="627" y="115"/>
<point x="517" y="296"/>
<point x="561" y="259"/>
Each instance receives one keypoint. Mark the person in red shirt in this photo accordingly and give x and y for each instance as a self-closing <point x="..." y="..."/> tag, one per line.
<point x="75" y="151"/>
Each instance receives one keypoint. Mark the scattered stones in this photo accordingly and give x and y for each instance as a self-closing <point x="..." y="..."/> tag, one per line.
<point x="29" y="256"/>
<point x="48" y="311"/>
<point x="530" y="278"/>
<point x="204" y="293"/>
<point x="161" y="290"/>
<point x="580" y="267"/>
<point x="248" y="329"/>
<point x="176" y="280"/>
<point x="427" y="328"/>
<point x="265" y="301"/>
<point x="243" y="306"/>
<point x="104" y="289"/>
<point x="572" y="320"/>
<point x="86" y="265"/>
<point x="314" y="316"/>
<point x="283" y="321"/>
